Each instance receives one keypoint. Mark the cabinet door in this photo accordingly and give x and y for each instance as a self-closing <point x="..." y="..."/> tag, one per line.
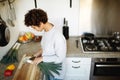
<point x="76" y="78"/>
<point x="58" y="9"/>
<point x="78" y="68"/>
<point x="72" y="60"/>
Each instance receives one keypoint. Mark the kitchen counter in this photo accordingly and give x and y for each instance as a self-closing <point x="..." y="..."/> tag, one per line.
<point x="28" y="48"/>
<point x="72" y="50"/>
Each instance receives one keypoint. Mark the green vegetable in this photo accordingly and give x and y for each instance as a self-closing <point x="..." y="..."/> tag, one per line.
<point x="48" y="68"/>
<point x="11" y="55"/>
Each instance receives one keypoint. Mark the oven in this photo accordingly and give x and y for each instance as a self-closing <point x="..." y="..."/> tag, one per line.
<point x="105" y="69"/>
<point x="102" y="68"/>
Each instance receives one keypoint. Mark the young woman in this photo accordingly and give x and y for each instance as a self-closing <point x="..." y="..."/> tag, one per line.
<point x="53" y="42"/>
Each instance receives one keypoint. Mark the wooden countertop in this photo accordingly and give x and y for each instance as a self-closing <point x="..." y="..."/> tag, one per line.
<point x="27" y="71"/>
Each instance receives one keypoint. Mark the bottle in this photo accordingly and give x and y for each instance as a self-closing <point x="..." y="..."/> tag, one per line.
<point x="65" y="29"/>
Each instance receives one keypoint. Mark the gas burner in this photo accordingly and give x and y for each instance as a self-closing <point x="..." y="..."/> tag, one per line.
<point x="90" y="47"/>
<point x="100" y="44"/>
<point x="88" y="41"/>
<point x="115" y="41"/>
<point x="118" y="48"/>
<point x="104" y="48"/>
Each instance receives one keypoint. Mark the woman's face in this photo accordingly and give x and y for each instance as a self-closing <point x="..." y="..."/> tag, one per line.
<point x="39" y="28"/>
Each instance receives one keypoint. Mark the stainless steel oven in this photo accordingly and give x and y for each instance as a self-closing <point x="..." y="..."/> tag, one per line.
<point x="105" y="69"/>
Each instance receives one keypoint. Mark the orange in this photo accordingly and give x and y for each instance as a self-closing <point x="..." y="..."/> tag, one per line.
<point x="20" y="38"/>
<point x="25" y="38"/>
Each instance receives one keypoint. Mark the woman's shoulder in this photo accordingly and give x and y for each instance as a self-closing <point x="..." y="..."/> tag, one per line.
<point x="58" y="33"/>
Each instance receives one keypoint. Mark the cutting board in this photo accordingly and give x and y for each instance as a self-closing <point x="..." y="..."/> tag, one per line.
<point x="27" y="71"/>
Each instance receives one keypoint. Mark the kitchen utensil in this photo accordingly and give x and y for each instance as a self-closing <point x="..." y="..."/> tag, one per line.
<point x="89" y="37"/>
<point x="76" y="43"/>
<point x="3" y="33"/>
<point x="91" y="47"/>
<point x="29" y="59"/>
<point x="35" y="3"/>
<point x="11" y="15"/>
<point x="66" y="29"/>
<point x="70" y="3"/>
<point x="27" y="71"/>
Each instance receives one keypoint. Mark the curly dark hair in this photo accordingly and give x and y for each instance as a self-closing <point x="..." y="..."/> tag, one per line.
<point x="35" y="16"/>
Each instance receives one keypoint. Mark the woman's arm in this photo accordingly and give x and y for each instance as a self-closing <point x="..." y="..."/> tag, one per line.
<point x="37" y="60"/>
<point x="38" y="54"/>
<point x="38" y="57"/>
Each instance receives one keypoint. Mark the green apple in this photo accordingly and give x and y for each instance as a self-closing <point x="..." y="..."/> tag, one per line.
<point x="28" y="35"/>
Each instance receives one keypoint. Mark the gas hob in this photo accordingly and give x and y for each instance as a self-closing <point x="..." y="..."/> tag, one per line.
<point x="100" y="44"/>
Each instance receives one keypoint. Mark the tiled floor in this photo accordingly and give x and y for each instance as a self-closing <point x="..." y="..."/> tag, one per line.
<point x="3" y="68"/>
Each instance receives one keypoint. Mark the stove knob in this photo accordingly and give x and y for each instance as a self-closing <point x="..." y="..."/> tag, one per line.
<point x="101" y="60"/>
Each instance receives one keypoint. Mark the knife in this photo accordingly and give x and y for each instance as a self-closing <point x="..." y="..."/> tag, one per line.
<point x="29" y="59"/>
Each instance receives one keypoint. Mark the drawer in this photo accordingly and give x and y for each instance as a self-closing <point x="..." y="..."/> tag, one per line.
<point x="78" y="60"/>
<point x="76" y="78"/>
<point x="78" y="69"/>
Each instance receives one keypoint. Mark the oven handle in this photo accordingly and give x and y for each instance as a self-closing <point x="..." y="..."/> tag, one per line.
<point x="100" y="65"/>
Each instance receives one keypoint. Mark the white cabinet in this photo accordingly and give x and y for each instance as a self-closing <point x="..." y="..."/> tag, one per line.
<point x="78" y="68"/>
<point x="57" y="10"/>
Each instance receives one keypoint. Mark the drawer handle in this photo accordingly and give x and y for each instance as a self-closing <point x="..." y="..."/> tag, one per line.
<point x="75" y="61"/>
<point x="75" y="66"/>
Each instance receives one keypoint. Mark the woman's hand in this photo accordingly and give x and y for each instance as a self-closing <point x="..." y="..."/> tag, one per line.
<point x="39" y="53"/>
<point x="37" y="60"/>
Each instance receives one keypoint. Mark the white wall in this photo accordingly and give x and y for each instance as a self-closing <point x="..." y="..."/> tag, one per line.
<point x="56" y="9"/>
<point x="85" y="16"/>
<point x="22" y="7"/>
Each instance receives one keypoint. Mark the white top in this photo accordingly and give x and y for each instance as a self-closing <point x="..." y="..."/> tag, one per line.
<point x="54" y="49"/>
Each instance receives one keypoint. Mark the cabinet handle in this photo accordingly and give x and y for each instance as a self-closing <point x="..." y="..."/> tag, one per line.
<point x="75" y="66"/>
<point x="75" y="61"/>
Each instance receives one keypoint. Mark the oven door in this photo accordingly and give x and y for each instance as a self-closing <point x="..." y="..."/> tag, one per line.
<point x="107" y="69"/>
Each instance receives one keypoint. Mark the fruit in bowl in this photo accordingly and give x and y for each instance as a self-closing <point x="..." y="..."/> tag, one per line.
<point x="26" y="37"/>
